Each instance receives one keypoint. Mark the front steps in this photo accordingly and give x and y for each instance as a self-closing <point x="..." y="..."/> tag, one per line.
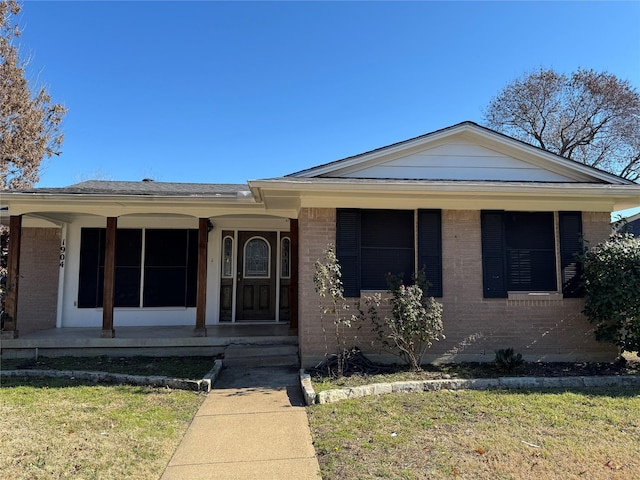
<point x="251" y="355"/>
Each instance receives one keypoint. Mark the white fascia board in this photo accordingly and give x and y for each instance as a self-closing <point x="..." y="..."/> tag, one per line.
<point x="116" y="205"/>
<point x="327" y="192"/>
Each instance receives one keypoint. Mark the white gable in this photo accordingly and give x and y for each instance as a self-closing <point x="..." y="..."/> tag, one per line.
<point x="463" y="152"/>
<point x="461" y="160"/>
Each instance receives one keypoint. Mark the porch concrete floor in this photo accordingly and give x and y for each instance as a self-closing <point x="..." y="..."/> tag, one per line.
<point x="153" y="340"/>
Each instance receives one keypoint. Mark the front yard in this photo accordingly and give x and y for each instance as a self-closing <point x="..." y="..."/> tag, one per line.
<point x="64" y="429"/>
<point x="481" y="434"/>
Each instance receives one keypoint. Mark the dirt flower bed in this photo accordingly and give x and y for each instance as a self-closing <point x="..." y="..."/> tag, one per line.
<point x="629" y="364"/>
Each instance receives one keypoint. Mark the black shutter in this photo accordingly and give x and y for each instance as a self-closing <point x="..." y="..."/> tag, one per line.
<point x="570" y="248"/>
<point x="90" y="281"/>
<point x="430" y="249"/>
<point x="348" y="249"/>
<point x="493" y="254"/>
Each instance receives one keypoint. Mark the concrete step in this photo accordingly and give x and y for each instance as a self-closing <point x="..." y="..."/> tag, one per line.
<point x="261" y="355"/>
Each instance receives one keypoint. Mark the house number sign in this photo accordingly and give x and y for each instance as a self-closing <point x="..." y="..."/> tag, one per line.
<point x="63" y="250"/>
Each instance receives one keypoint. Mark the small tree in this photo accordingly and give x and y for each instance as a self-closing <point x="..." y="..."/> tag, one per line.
<point x="327" y="279"/>
<point x="415" y="321"/>
<point x="612" y="290"/>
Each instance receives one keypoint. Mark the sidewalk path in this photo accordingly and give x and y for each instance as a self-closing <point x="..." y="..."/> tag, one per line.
<point x="252" y="425"/>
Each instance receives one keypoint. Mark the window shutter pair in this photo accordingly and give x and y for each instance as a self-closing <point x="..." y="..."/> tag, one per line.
<point x="494" y="260"/>
<point x="348" y="249"/>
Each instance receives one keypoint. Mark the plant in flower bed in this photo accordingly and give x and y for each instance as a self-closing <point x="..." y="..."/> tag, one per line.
<point x="327" y="279"/>
<point x="415" y="321"/>
<point x="612" y="286"/>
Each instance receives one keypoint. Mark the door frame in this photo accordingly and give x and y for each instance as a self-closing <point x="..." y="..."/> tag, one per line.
<point x="237" y="250"/>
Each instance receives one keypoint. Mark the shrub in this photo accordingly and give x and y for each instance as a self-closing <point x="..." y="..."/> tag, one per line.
<point x="612" y="290"/>
<point x="415" y="321"/>
<point x="327" y="279"/>
<point x="507" y="360"/>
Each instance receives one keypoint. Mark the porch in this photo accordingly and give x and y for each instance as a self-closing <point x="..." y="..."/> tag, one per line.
<point x="152" y="341"/>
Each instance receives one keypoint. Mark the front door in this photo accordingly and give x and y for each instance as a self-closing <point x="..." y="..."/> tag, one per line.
<point x="256" y="276"/>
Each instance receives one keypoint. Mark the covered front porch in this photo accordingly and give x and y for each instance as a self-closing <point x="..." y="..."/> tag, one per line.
<point x="151" y="341"/>
<point x="144" y="268"/>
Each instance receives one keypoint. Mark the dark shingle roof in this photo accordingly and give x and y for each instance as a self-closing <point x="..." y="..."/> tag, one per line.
<point x="148" y="188"/>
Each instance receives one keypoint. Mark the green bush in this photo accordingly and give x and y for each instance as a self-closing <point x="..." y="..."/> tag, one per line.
<point x="507" y="360"/>
<point x="415" y="321"/>
<point x="612" y="290"/>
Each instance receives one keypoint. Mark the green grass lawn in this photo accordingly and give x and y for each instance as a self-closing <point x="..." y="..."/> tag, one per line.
<point x="63" y="429"/>
<point x="539" y="435"/>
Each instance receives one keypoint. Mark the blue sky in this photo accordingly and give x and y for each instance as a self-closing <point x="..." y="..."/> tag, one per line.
<point x="224" y="92"/>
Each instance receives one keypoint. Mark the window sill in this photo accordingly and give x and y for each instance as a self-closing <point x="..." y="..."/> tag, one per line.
<point x="537" y="296"/>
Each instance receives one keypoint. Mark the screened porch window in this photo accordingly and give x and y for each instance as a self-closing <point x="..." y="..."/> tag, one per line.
<point x="163" y="274"/>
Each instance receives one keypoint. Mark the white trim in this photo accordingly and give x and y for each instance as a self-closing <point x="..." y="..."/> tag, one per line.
<point x="234" y="285"/>
<point x="61" y="274"/>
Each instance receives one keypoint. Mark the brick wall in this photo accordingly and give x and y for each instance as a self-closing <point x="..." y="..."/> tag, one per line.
<point x="549" y="329"/>
<point x="38" y="288"/>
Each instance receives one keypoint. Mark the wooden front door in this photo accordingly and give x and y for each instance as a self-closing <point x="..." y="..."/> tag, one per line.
<point x="256" y="276"/>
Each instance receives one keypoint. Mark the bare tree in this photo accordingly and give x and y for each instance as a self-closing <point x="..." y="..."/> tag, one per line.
<point x="29" y="123"/>
<point x="589" y="117"/>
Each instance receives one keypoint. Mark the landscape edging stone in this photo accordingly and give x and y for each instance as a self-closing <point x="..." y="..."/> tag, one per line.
<point x="509" y="383"/>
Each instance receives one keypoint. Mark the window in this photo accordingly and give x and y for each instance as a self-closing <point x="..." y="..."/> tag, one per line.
<point x="285" y="257"/>
<point x="170" y="268"/>
<point x="227" y="257"/>
<point x="519" y="254"/>
<point x="256" y="258"/>
<point x="128" y="267"/>
<point x="164" y="273"/>
<point x="370" y="244"/>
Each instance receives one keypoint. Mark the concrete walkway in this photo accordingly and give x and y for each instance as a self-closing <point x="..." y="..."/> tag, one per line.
<point x="252" y="425"/>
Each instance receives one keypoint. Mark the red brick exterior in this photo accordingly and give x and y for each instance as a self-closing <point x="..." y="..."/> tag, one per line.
<point x="38" y="288"/>
<point x="552" y="329"/>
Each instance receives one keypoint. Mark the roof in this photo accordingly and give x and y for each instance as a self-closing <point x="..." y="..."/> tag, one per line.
<point x="146" y="188"/>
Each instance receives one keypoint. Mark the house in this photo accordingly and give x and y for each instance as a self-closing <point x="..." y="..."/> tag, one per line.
<point x="494" y="222"/>
<point x="632" y="225"/>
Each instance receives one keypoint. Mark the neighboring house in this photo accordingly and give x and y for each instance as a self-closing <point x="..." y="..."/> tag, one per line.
<point x="632" y="225"/>
<point x="494" y="222"/>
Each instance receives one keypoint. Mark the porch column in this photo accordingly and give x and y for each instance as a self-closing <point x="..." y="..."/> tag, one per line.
<point x="109" y="278"/>
<point x="293" y="286"/>
<point x="10" y="329"/>
<point x="201" y="293"/>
